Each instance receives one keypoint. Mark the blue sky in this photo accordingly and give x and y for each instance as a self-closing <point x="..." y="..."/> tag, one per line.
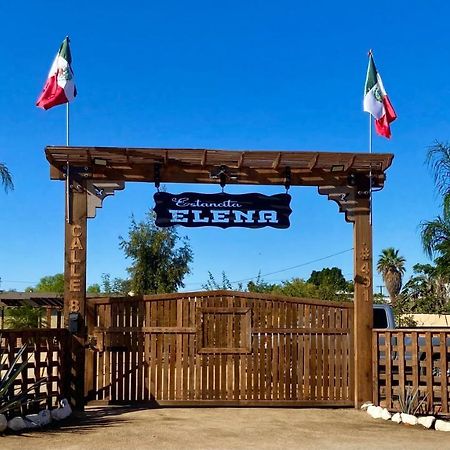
<point x="283" y="75"/>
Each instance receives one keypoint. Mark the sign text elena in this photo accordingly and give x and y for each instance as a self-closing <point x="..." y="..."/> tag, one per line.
<point x="223" y="210"/>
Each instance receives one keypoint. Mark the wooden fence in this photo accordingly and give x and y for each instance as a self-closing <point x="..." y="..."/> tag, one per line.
<point x="221" y="347"/>
<point x="47" y="353"/>
<point x="52" y="316"/>
<point x="416" y="360"/>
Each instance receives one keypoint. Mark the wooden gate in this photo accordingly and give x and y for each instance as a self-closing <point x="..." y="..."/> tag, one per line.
<point x="221" y="347"/>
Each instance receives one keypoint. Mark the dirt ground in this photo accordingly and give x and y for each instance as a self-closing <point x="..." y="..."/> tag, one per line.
<point x="226" y="428"/>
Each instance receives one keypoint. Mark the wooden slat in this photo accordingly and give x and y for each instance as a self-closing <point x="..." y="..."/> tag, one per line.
<point x="444" y="370"/>
<point x="375" y="371"/>
<point x="388" y="367"/>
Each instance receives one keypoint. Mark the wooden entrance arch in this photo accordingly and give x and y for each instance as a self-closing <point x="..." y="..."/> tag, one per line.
<point x="96" y="172"/>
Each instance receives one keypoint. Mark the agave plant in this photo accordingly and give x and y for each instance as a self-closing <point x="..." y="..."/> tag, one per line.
<point x="411" y="401"/>
<point x="11" y="398"/>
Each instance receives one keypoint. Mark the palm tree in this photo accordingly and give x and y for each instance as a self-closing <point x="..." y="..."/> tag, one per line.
<point x="435" y="235"/>
<point x="6" y="178"/>
<point x="391" y="267"/>
<point x="438" y="160"/>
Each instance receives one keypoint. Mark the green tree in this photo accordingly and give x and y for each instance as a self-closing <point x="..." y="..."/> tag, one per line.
<point x="426" y="292"/>
<point x="55" y="283"/>
<point x="94" y="289"/>
<point x="435" y="236"/>
<point x="296" y="287"/>
<point x="6" y="178"/>
<point x="24" y="317"/>
<point x="438" y="160"/>
<point x="49" y="283"/>
<point x="225" y="285"/>
<point x="391" y="266"/>
<point x="330" y="277"/>
<point x="259" y="285"/>
<point x="115" y="285"/>
<point x="435" y="233"/>
<point x="160" y="257"/>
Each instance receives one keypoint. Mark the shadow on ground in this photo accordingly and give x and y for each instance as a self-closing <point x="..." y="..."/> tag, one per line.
<point x="85" y="422"/>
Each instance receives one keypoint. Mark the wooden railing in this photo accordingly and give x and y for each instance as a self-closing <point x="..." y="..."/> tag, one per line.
<point x="414" y="360"/>
<point x="52" y="317"/>
<point x="47" y="354"/>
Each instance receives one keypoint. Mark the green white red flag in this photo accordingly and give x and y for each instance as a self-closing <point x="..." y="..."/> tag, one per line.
<point x="376" y="101"/>
<point x="60" y="85"/>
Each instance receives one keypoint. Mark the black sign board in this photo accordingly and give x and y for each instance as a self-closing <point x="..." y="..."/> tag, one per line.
<point x="191" y="209"/>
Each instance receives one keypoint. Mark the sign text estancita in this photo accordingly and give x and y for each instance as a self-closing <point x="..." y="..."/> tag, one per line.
<point x="191" y="209"/>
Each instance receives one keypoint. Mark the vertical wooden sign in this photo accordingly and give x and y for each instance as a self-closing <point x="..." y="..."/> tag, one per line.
<point x="75" y="253"/>
<point x="363" y="317"/>
<point x="75" y="288"/>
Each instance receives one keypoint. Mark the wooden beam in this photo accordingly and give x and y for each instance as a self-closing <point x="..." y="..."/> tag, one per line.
<point x="75" y="282"/>
<point x="276" y="163"/>
<point x="363" y="312"/>
<point x="241" y="160"/>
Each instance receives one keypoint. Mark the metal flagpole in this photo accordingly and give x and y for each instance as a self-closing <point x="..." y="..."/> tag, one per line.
<point x="67" y="166"/>
<point x="370" y="171"/>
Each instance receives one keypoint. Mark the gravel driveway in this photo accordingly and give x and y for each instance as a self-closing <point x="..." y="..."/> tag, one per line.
<point x="227" y="428"/>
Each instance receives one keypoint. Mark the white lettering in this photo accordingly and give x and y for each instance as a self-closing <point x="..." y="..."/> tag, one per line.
<point x="185" y="203"/>
<point x="247" y="215"/>
<point x="197" y="217"/>
<point x="268" y="216"/>
<point x="220" y="216"/>
<point x="179" y="216"/>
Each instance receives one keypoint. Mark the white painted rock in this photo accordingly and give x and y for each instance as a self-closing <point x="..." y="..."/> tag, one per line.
<point x="3" y="423"/>
<point x="442" y="425"/>
<point x="62" y="412"/>
<point x="45" y="417"/>
<point x="365" y="405"/>
<point x="426" y="421"/>
<point x="397" y="418"/>
<point x="409" y="419"/>
<point x="29" y="423"/>
<point x="375" y="411"/>
<point x="38" y="420"/>
<point x="385" y="414"/>
<point x="17" y="424"/>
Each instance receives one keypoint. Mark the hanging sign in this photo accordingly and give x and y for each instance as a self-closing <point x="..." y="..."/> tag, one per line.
<point x="191" y="209"/>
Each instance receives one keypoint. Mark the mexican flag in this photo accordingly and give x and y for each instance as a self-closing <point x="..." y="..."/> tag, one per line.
<point x="376" y="101"/>
<point x="60" y="86"/>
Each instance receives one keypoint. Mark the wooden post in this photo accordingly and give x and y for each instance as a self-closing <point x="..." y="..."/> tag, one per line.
<point x="363" y="316"/>
<point x="75" y="284"/>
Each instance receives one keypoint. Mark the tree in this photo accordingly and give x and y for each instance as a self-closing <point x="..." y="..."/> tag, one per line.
<point x="435" y="233"/>
<point x="55" y="283"/>
<point x="438" y="160"/>
<point x="6" y="178"/>
<point x="212" y="285"/>
<point x="331" y="277"/>
<point x="435" y="236"/>
<point x="259" y="285"/>
<point x="49" y="283"/>
<point x="160" y="257"/>
<point x="115" y="285"/>
<point x="426" y="292"/>
<point x="24" y="317"/>
<point x="94" y="289"/>
<point x="391" y="267"/>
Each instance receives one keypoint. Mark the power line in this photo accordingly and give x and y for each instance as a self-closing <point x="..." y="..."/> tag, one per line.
<point x="294" y="267"/>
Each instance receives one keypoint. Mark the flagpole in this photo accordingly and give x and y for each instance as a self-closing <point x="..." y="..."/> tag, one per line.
<point x="370" y="151"/>
<point x="67" y="165"/>
<point x="370" y="171"/>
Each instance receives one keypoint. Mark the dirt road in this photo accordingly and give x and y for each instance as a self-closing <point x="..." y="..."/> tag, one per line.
<point x="227" y="428"/>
